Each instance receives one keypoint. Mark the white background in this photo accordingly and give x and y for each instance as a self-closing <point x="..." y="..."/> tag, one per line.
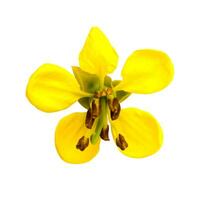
<point x="35" y="32"/>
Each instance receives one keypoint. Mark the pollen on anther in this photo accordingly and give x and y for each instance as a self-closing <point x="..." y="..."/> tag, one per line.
<point x="121" y="142"/>
<point x="104" y="133"/>
<point x="82" y="143"/>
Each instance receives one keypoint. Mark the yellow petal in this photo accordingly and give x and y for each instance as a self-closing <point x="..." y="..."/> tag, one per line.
<point x="52" y="88"/>
<point x="98" y="56"/>
<point x="146" y="71"/>
<point x="68" y="132"/>
<point x="140" y="130"/>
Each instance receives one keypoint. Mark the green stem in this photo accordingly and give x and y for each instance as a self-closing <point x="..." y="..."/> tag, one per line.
<point x="101" y="121"/>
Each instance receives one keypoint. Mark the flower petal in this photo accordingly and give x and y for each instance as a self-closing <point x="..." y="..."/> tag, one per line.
<point x="98" y="56"/>
<point x="52" y="88"/>
<point x="140" y="130"/>
<point x="146" y="71"/>
<point x="68" y="132"/>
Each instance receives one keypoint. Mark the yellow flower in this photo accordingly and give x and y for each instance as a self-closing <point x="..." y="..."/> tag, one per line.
<point x="77" y="137"/>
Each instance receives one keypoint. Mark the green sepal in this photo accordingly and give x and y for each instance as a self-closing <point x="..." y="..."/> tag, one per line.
<point x="122" y="95"/>
<point x="88" y="82"/>
<point x="115" y="82"/>
<point x="85" y="102"/>
<point x="107" y="81"/>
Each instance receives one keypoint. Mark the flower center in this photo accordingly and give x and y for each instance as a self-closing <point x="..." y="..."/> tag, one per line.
<point x="102" y="102"/>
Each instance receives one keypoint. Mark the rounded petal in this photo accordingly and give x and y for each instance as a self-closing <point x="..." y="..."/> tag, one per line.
<point x="68" y="132"/>
<point x="140" y="131"/>
<point x="98" y="56"/>
<point x="52" y="88"/>
<point x="146" y="71"/>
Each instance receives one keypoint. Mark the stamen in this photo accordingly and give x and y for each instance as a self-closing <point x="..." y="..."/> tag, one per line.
<point x="89" y="120"/>
<point x="104" y="133"/>
<point x="82" y="143"/>
<point x="114" y="107"/>
<point x="103" y="93"/>
<point x="102" y="120"/>
<point x="109" y="91"/>
<point x="97" y="94"/>
<point x="121" y="142"/>
<point x="96" y="108"/>
<point x="92" y="113"/>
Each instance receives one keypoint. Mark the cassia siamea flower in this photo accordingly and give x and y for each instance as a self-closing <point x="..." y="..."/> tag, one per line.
<point x="136" y="133"/>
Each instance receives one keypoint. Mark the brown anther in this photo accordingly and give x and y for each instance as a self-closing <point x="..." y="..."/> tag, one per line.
<point x="109" y="91"/>
<point x="104" y="133"/>
<point x="110" y="104"/>
<point x="114" y="107"/>
<point x="97" y="94"/>
<point x="103" y="93"/>
<point x="82" y="143"/>
<point x="89" y="120"/>
<point x="96" y="108"/>
<point x="121" y="142"/>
